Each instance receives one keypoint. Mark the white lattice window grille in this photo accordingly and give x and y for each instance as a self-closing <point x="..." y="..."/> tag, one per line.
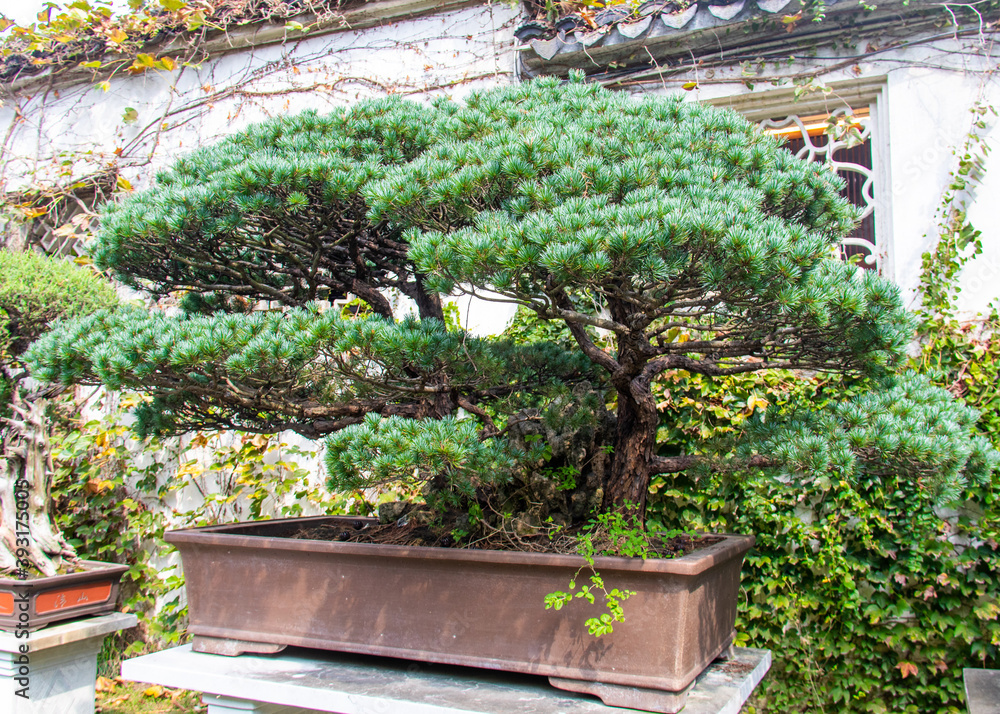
<point x="843" y="140"/>
<point x="65" y="219"/>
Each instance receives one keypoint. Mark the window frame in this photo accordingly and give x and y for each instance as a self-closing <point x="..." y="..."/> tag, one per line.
<point x="869" y="92"/>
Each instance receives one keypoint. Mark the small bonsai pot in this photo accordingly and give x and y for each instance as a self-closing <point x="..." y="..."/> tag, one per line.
<point x="37" y="602"/>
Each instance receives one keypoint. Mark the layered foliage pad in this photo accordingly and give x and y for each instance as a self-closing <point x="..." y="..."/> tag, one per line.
<point x="413" y="452"/>
<point x="35" y="290"/>
<point x="874" y="591"/>
<point x="301" y="369"/>
<point x="272" y="213"/>
<point x="905" y="426"/>
<point x="640" y="217"/>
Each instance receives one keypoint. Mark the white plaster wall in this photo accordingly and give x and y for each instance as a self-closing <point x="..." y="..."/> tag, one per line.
<point x="929" y="112"/>
<point x="452" y="53"/>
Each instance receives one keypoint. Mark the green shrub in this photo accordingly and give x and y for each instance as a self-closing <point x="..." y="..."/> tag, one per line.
<point x="36" y="289"/>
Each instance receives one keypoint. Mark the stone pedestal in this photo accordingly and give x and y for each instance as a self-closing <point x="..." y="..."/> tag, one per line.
<point x="300" y="681"/>
<point x="59" y="669"/>
<point x="982" y="690"/>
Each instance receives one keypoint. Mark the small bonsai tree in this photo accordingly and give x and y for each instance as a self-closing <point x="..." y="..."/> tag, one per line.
<point x="665" y="235"/>
<point x="34" y="291"/>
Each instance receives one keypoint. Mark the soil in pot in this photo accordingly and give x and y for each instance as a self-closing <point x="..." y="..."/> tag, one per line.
<point x="413" y="532"/>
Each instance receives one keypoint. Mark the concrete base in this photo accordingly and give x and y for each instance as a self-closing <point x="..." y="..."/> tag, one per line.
<point x="58" y="669"/>
<point x="982" y="690"/>
<point x="300" y="681"/>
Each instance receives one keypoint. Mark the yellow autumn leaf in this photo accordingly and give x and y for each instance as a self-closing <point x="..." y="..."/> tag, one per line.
<point x="688" y="86"/>
<point x="117" y="36"/>
<point x="168" y="63"/>
<point x="155" y="691"/>
<point x="123" y="184"/>
<point x="191" y="468"/>
<point x="33" y="211"/>
<point x="65" y="230"/>
<point x="104" y="86"/>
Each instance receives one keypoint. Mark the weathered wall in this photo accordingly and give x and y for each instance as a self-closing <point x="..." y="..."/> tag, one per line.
<point x="80" y="129"/>
<point x="453" y="52"/>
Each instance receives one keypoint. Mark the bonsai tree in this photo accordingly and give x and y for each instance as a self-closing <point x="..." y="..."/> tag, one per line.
<point x="665" y="235"/>
<point x="34" y="291"/>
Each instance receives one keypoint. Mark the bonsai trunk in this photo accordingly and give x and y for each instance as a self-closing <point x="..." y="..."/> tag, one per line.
<point x="27" y="534"/>
<point x="627" y="483"/>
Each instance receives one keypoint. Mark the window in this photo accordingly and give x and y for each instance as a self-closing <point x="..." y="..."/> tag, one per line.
<point x="859" y="150"/>
<point x="841" y="139"/>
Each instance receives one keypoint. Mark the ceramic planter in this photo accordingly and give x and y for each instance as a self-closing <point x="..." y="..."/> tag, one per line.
<point x="34" y="603"/>
<point x="251" y="588"/>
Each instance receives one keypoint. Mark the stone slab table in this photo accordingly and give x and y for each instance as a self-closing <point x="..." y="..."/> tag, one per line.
<point x="982" y="690"/>
<point x="301" y="681"/>
<point x="59" y="669"/>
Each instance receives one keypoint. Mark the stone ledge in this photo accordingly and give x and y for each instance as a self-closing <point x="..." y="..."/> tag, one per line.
<point x="356" y="684"/>
<point x="68" y="632"/>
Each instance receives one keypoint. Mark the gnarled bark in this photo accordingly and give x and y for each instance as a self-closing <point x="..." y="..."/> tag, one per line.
<point x="27" y="534"/>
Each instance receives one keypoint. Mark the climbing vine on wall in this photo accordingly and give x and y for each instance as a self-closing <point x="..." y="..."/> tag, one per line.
<point x="91" y="35"/>
<point x="873" y="596"/>
<point x="961" y="355"/>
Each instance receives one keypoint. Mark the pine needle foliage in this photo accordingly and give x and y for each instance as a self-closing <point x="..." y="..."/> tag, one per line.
<point x="560" y="196"/>
<point x="689" y="236"/>
<point x="907" y="426"/>
<point x="272" y="213"/>
<point x="309" y="371"/>
<point x="412" y="452"/>
<point x="665" y="235"/>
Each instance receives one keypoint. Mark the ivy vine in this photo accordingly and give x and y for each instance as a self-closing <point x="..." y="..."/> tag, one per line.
<point x="960" y="355"/>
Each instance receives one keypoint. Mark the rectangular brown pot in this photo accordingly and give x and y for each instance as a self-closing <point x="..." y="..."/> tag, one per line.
<point x="250" y="588"/>
<point x="36" y="602"/>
